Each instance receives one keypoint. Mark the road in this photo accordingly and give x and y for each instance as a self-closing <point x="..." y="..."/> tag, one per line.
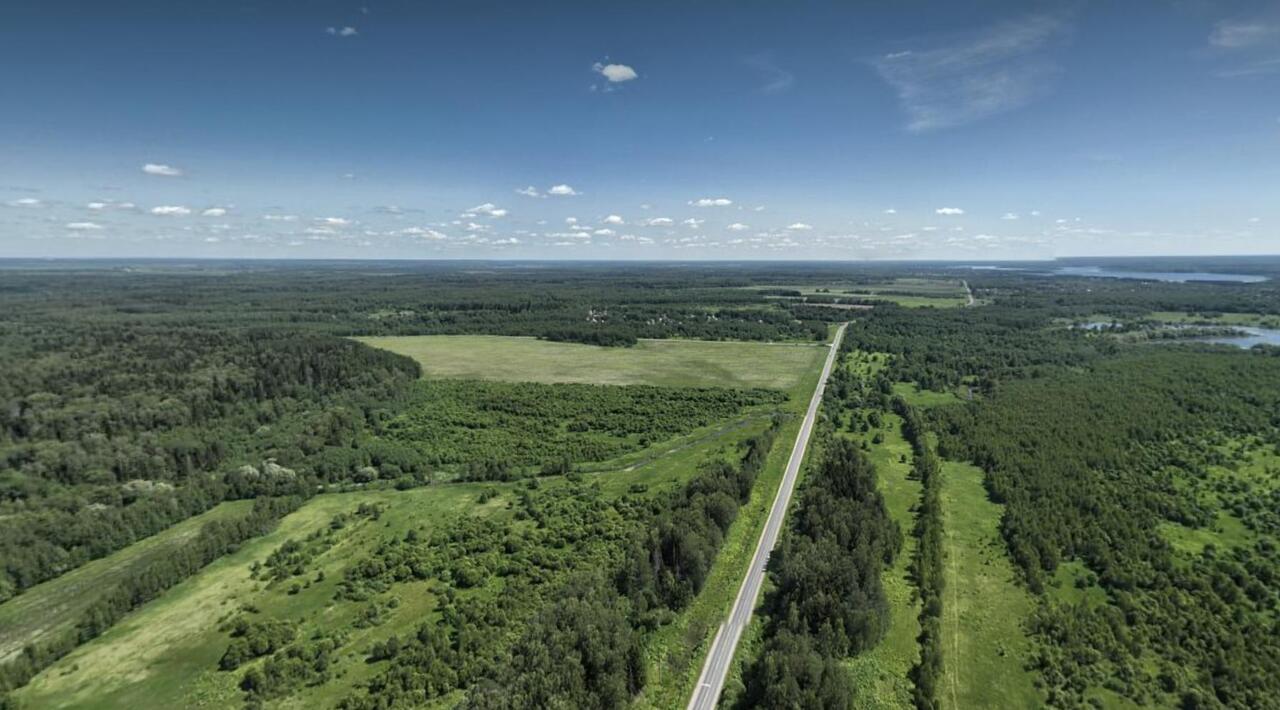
<point x="716" y="668"/>
<point x="968" y="292"/>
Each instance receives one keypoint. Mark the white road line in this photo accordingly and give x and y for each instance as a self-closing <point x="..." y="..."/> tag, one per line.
<point x="716" y="668"/>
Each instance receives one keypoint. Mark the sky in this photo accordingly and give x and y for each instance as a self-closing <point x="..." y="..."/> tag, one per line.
<point x="639" y="130"/>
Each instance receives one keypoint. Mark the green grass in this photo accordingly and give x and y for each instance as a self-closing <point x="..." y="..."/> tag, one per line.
<point x="57" y="604"/>
<point x="984" y="644"/>
<point x="917" y="397"/>
<point x="880" y="674"/>
<point x="676" y="363"/>
<point x="166" y="654"/>
<point x="908" y="292"/>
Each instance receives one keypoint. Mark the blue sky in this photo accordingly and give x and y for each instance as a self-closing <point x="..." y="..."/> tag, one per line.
<point x="681" y="130"/>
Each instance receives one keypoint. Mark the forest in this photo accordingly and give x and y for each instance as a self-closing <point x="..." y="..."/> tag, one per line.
<point x="1135" y="483"/>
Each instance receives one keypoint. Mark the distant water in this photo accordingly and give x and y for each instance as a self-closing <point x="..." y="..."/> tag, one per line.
<point x="1173" y="276"/>
<point x="1256" y="336"/>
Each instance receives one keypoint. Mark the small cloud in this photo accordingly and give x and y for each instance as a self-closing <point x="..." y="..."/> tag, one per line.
<point x="604" y="232"/>
<point x="529" y="191"/>
<point x="214" y="212"/>
<point x="171" y="211"/>
<point x="280" y="217"/>
<point x="949" y="211"/>
<point x="1254" y="220"/>
<point x="613" y="219"/>
<point x="570" y="220"/>
<point x="335" y="221"/>
<point x="799" y="227"/>
<point x="25" y="202"/>
<point x="891" y="211"/>
<point x="161" y="169"/>
<point x="711" y="202"/>
<point x="659" y="222"/>
<point x="738" y="227"/>
<point x="422" y="233"/>
<point x="562" y="191"/>
<point x="1237" y="34"/>
<point x="1010" y="215"/>
<point x="507" y="241"/>
<point x="693" y="222"/>
<point x="488" y="209"/>
<point x="1035" y="213"/>
<point x="84" y="226"/>
<point x="342" y="31"/>
<point x="774" y="79"/>
<point x="615" y="73"/>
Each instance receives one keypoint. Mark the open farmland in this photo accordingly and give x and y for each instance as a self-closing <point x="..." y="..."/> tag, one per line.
<point x="671" y="363"/>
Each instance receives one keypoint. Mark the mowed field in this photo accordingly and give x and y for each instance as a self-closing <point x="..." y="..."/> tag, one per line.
<point x="673" y="363"/>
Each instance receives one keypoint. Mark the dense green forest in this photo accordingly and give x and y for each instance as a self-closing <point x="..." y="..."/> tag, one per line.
<point x="1138" y="479"/>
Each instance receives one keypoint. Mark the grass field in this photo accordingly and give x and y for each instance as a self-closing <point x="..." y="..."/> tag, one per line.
<point x="676" y="363"/>
<point x="166" y="654"/>
<point x="880" y="678"/>
<point x="984" y="645"/>
<point x="917" y="397"/>
<point x="906" y="292"/>
<point x="58" y="603"/>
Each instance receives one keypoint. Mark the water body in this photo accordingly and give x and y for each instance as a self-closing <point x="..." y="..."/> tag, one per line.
<point x="1256" y="336"/>
<point x="1171" y="276"/>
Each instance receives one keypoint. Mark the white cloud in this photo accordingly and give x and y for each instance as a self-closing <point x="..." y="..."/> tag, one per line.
<point x="529" y="191"/>
<point x="613" y="219"/>
<point x="891" y="211"/>
<point x="615" y="73"/>
<point x="171" y="211"/>
<point x="335" y="221"/>
<point x="26" y="202"/>
<point x="693" y="222"/>
<point x="950" y="211"/>
<point x="214" y="212"/>
<point x="711" y="202"/>
<point x="738" y="227"/>
<point x="487" y="208"/>
<point x="97" y="205"/>
<point x="473" y="227"/>
<point x="342" y="31"/>
<point x="659" y="222"/>
<point x="161" y="169"/>
<point x="83" y="226"/>
<point x="604" y="232"/>
<point x="562" y="191"/>
<point x="993" y="71"/>
<point x="508" y="240"/>
<point x="1010" y="215"/>
<point x="570" y="220"/>
<point x="280" y="217"/>
<point x="422" y="233"/>
<point x="799" y="227"/>
<point x="1237" y="34"/>
<point x="1035" y="213"/>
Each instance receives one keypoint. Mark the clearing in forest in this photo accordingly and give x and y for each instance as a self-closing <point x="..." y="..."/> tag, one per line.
<point x="672" y="363"/>
<point x="984" y="646"/>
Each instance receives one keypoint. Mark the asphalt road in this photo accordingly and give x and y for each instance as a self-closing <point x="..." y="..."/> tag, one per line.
<point x="716" y="668"/>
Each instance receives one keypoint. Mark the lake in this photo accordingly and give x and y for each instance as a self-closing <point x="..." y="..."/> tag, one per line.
<point x="1256" y="336"/>
<point x="1173" y="276"/>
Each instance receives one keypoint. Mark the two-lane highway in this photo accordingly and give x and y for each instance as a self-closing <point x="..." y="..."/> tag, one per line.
<point x="716" y="668"/>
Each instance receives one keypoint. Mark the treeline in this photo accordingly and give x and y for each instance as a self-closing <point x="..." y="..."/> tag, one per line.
<point x="215" y="539"/>
<point x="496" y="429"/>
<point x="111" y="434"/>
<point x="582" y="589"/>
<point x="1093" y="467"/>
<point x="927" y="566"/>
<point x="586" y="651"/>
<point x="828" y="601"/>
